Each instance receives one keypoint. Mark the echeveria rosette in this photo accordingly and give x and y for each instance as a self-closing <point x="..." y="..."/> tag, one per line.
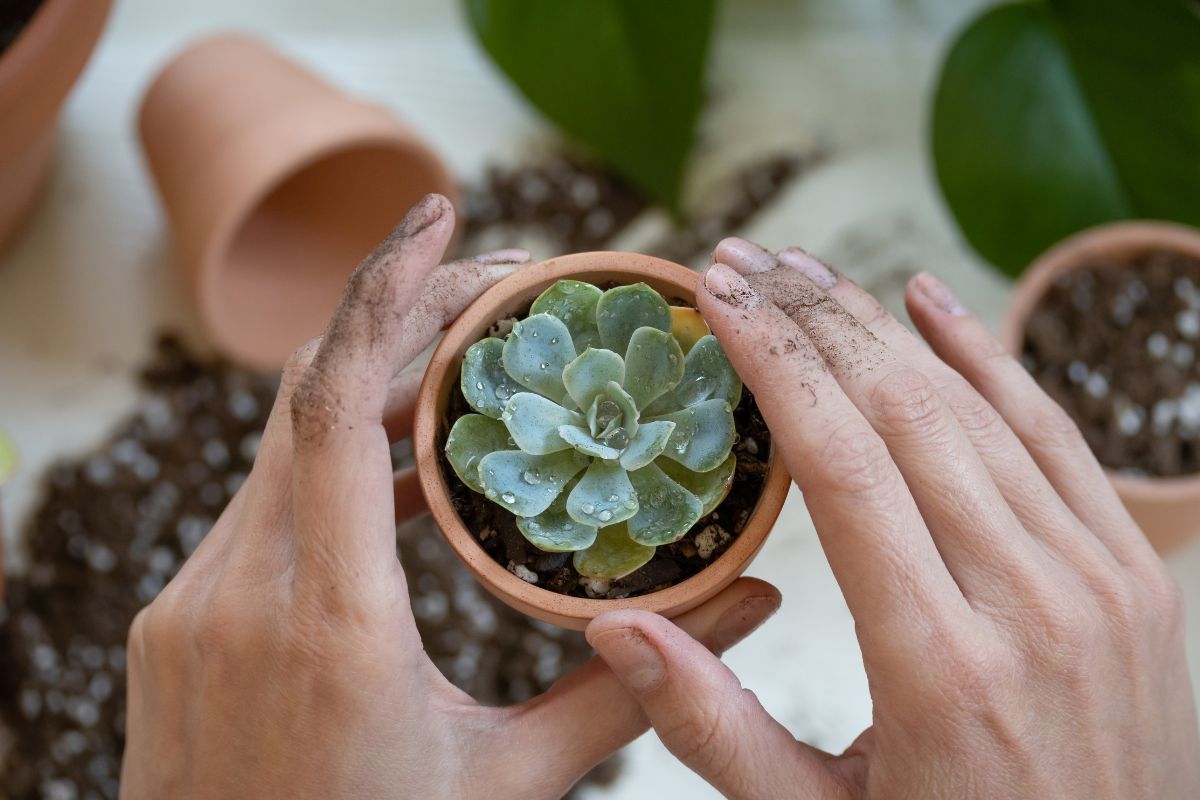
<point x="605" y="424"/>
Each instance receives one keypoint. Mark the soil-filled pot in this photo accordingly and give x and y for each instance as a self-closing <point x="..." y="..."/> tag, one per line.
<point x="1139" y="313"/>
<point x="440" y="403"/>
<point x="37" y="70"/>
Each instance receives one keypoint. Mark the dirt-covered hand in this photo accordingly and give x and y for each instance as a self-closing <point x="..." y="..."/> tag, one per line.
<point x="1021" y="638"/>
<point x="284" y="661"/>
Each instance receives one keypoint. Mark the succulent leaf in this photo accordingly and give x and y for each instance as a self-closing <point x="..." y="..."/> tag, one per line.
<point x="604" y="496"/>
<point x="653" y="365"/>
<point x="613" y="555"/>
<point x="554" y="531"/>
<point x="526" y="484"/>
<point x="703" y="435"/>
<point x="626" y="405"/>
<point x="583" y="441"/>
<point x="485" y="384"/>
<point x="473" y="437"/>
<point x="667" y="510"/>
<point x="707" y="374"/>
<point x="711" y="487"/>
<point x="574" y="302"/>
<point x="536" y="352"/>
<point x="647" y="445"/>
<point x="624" y="309"/>
<point x="534" y="421"/>
<point x="587" y="375"/>
<point x="687" y="326"/>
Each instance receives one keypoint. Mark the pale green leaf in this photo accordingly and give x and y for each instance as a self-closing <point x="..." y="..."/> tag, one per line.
<point x="536" y="352"/>
<point x="647" y="445"/>
<point x="485" y="384"/>
<point x="653" y="365"/>
<point x="613" y="555"/>
<point x="587" y="375"/>
<point x="534" y="421"/>
<point x="711" y="487"/>
<point x="527" y="484"/>
<point x="574" y="302"/>
<point x="603" y="497"/>
<point x="703" y="435"/>
<point x="666" y="511"/>
<point x="624" y="309"/>
<point x="583" y="441"/>
<point x="473" y="437"/>
<point x="554" y="531"/>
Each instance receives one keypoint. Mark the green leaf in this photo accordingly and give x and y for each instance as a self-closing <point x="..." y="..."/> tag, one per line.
<point x="527" y="484"/>
<point x="534" y="421"/>
<point x="653" y="365"/>
<point x="473" y="437"/>
<point x="614" y="554"/>
<point x="667" y="510"/>
<point x="703" y="435"/>
<point x="711" y="487"/>
<point x="536" y="352"/>
<point x="585" y="443"/>
<point x="628" y="418"/>
<point x="647" y="445"/>
<point x="1056" y="115"/>
<point x="622" y="77"/>
<point x="707" y="374"/>
<point x="587" y="375"/>
<point x="554" y="531"/>
<point x="574" y="302"/>
<point x="623" y="310"/>
<point x="603" y="497"/>
<point x="485" y="384"/>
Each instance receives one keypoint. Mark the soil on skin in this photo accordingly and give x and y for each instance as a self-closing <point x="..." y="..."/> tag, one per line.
<point x="1116" y="345"/>
<point x="14" y="16"/>
<point x="497" y="532"/>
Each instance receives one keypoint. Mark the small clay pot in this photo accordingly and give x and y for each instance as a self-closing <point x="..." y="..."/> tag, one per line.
<point x="1167" y="509"/>
<point x="37" y="70"/>
<point x="513" y="296"/>
<point x="276" y="185"/>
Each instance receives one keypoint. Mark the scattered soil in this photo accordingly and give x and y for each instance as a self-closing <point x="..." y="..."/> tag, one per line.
<point x="115" y="526"/>
<point x="1116" y="345"/>
<point x="496" y="527"/>
<point x="14" y="15"/>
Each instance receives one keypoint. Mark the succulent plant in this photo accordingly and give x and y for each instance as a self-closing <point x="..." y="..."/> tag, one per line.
<point x="605" y="424"/>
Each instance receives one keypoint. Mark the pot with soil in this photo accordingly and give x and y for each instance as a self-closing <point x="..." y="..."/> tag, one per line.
<point x="1108" y="322"/>
<point x="44" y="45"/>
<point x="585" y="445"/>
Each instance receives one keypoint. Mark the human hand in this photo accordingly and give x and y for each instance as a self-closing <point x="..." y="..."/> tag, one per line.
<point x="284" y="661"/>
<point x="1021" y="638"/>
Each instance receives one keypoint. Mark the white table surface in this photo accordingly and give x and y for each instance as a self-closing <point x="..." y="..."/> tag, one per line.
<point x="93" y="276"/>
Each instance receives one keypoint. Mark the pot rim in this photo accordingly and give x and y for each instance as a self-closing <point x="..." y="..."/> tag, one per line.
<point x="1113" y="240"/>
<point x="440" y="377"/>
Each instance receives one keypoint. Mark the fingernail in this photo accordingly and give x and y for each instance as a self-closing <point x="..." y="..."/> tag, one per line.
<point x="937" y="293"/>
<point x="727" y="286"/>
<point x="809" y="266"/>
<point x="511" y="255"/>
<point x="630" y="655"/>
<point x="743" y="255"/>
<point x="426" y="212"/>
<point x="743" y="619"/>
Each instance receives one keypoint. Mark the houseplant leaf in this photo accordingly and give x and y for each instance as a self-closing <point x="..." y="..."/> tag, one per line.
<point x="622" y="77"/>
<point x="1055" y="115"/>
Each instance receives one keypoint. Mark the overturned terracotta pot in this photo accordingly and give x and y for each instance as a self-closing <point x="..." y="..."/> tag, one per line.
<point x="513" y="296"/>
<point x="1166" y="509"/>
<point x="36" y="72"/>
<point x="276" y="185"/>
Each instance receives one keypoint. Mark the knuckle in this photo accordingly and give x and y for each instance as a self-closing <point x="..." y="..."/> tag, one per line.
<point x="1121" y="609"/>
<point x="1166" y="599"/>
<point x="699" y="738"/>
<point x="855" y="460"/>
<point x="905" y="402"/>
<point x="297" y="364"/>
<point x="972" y="672"/>
<point x="315" y="406"/>
<point x="1054" y="427"/>
<point x="982" y="423"/>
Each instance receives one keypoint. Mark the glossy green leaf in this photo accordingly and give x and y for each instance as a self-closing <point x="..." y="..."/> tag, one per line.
<point x="536" y="352"/>
<point x="647" y="445"/>
<point x="485" y="384"/>
<point x="604" y="496"/>
<point x="707" y="374"/>
<point x="554" y="531"/>
<point x="711" y="487"/>
<point x="1055" y="115"/>
<point x="473" y="437"/>
<point x="703" y="435"/>
<point x="622" y="77"/>
<point x="587" y="375"/>
<point x="584" y="442"/>
<point x="574" y="302"/>
<point x="613" y="555"/>
<point x="666" y="509"/>
<point x="527" y="484"/>
<point x="653" y="365"/>
<point x="624" y="309"/>
<point x="628" y="418"/>
<point x="533" y="421"/>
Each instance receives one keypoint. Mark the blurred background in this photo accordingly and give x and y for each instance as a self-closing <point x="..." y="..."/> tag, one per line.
<point x="813" y="123"/>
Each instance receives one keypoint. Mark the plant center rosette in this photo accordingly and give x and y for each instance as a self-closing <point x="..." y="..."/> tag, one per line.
<point x="604" y="424"/>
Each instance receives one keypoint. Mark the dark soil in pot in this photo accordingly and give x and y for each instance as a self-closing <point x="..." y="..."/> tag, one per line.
<point x="1117" y="345"/>
<point x="14" y="16"/>
<point x="496" y="530"/>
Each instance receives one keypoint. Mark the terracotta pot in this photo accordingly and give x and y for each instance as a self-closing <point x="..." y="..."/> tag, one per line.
<point x="1167" y="509"/>
<point x="276" y="185"/>
<point x="513" y="296"/>
<point x="36" y="72"/>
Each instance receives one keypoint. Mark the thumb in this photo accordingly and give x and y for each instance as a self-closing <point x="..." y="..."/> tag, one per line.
<point x="704" y="716"/>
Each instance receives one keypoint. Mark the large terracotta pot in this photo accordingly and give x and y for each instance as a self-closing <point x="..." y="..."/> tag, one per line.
<point x="1167" y="509"/>
<point x="513" y="296"/>
<point x="36" y="73"/>
<point x="276" y="185"/>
